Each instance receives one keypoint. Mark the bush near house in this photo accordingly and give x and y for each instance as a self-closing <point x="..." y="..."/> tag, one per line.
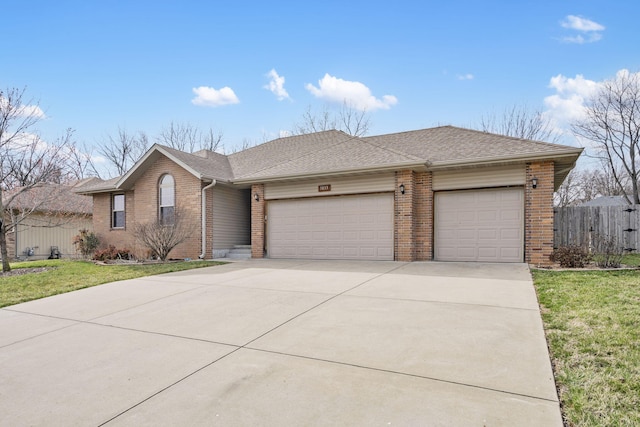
<point x="86" y="242"/>
<point x="112" y="253"/>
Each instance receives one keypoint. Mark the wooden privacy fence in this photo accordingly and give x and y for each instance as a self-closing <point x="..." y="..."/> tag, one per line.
<point x="582" y="225"/>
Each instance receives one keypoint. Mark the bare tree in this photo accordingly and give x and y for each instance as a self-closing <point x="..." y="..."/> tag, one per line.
<point x="582" y="185"/>
<point x="348" y="119"/>
<point x="185" y="137"/>
<point x="520" y="122"/>
<point x="612" y="123"/>
<point x="26" y="164"/>
<point x="123" y="150"/>
<point x="161" y="238"/>
<point x="570" y="192"/>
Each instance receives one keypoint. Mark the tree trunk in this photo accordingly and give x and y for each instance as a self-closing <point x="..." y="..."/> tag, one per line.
<point x="3" y="248"/>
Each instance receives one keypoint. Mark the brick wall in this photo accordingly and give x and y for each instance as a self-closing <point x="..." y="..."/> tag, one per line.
<point x="539" y="213"/>
<point x="405" y="216"/>
<point x="257" y="221"/>
<point x="141" y="205"/>
<point x="423" y="199"/>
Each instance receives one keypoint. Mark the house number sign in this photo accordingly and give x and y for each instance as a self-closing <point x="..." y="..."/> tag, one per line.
<point x="326" y="187"/>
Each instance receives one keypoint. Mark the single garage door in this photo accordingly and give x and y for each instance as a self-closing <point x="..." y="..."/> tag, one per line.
<point x="479" y="225"/>
<point x="343" y="227"/>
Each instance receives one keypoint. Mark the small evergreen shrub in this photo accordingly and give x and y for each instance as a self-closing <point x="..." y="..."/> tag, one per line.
<point x="86" y="242"/>
<point x="571" y="256"/>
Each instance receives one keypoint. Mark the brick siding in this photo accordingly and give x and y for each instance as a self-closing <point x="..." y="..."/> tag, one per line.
<point x="405" y="216"/>
<point x="141" y="205"/>
<point x="539" y="213"/>
<point x="257" y="221"/>
<point x="424" y="216"/>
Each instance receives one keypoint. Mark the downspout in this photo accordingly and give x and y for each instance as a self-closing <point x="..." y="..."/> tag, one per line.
<point x="204" y="218"/>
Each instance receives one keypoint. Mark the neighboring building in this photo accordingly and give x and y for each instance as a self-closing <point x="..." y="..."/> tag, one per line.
<point x="55" y="216"/>
<point x="445" y="193"/>
<point x="607" y="201"/>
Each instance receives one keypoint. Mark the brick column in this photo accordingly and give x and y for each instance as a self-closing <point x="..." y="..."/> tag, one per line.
<point x="404" y="216"/>
<point x="257" y="221"/>
<point x="423" y="216"/>
<point x="539" y="213"/>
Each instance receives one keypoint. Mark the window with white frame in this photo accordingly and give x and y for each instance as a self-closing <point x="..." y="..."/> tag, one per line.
<point x="167" y="200"/>
<point x="117" y="211"/>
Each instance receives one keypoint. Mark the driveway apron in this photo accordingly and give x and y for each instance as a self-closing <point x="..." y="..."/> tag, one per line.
<point x="284" y="343"/>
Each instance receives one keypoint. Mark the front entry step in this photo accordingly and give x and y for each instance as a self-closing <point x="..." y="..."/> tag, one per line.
<point x="240" y="252"/>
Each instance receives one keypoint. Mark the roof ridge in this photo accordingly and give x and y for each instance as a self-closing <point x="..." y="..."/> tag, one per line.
<point x="280" y="138"/>
<point x="332" y="144"/>
<point x="401" y="153"/>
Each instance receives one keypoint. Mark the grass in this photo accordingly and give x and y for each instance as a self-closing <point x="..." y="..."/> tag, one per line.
<point x="592" y="322"/>
<point x="65" y="276"/>
<point x="631" y="260"/>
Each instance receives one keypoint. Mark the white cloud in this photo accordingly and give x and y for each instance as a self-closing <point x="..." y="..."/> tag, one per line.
<point x="581" y="24"/>
<point x="210" y="97"/>
<point x="25" y="110"/>
<point x="276" y="85"/>
<point x="356" y="94"/>
<point x="591" y="30"/>
<point x="467" y="76"/>
<point x="567" y="104"/>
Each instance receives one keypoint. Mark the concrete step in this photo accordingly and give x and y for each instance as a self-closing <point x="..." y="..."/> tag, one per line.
<point x="240" y="252"/>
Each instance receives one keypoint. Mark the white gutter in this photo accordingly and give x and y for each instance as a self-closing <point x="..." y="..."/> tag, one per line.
<point x="204" y="218"/>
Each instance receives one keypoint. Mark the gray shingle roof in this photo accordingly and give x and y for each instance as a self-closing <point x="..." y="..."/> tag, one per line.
<point x="338" y="152"/>
<point x="208" y="163"/>
<point x="335" y="152"/>
<point x="448" y="144"/>
<point x="50" y="198"/>
<point x="607" y="201"/>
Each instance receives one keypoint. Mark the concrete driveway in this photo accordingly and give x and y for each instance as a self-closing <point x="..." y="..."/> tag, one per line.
<point x="284" y="343"/>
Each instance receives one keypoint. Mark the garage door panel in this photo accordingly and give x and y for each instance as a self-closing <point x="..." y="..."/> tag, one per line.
<point x="349" y="227"/>
<point x="479" y="225"/>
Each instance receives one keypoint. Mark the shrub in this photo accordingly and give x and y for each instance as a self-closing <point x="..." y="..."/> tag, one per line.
<point x="159" y="238"/>
<point x="571" y="256"/>
<point x="86" y="242"/>
<point x="112" y="253"/>
<point x="607" y="252"/>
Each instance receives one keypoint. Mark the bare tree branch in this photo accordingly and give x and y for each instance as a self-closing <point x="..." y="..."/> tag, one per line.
<point x="349" y="120"/>
<point x="26" y="164"/>
<point x="161" y="238"/>
<point x="520" y="122"/>
<point x="185" y="137"/>
<point x="612" y="123"/>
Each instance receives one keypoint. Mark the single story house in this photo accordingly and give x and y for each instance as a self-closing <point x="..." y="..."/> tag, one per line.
<point x="49" y="216"/>
<point x="445" y="193"/>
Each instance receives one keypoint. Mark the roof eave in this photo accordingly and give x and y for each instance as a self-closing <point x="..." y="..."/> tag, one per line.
<point x="565" y="154"/>
<point x="126" y="181"/>
<point x="353" y="171"/>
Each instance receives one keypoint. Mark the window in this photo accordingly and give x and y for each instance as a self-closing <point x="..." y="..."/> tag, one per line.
<point x="167" y="200"/>
<point x="117" y="214"/>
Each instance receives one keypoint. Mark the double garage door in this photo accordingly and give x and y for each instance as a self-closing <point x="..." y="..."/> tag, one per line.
<point x="469" y="225"/>
<point x="342" y="227"/>
<point x="479" y="225"/>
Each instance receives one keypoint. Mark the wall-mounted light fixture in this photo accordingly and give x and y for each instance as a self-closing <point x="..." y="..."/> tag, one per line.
<point x="402" y="188"/>
<point x="534" y="182"/>
<point x="256" y="197"/>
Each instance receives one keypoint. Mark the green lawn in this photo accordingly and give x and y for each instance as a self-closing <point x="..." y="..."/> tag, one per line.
<point x="66" y="276"/>
<point x="592" y="322"/>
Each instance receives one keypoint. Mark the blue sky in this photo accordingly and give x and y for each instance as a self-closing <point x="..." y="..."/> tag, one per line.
<point x="138" y="65"/>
